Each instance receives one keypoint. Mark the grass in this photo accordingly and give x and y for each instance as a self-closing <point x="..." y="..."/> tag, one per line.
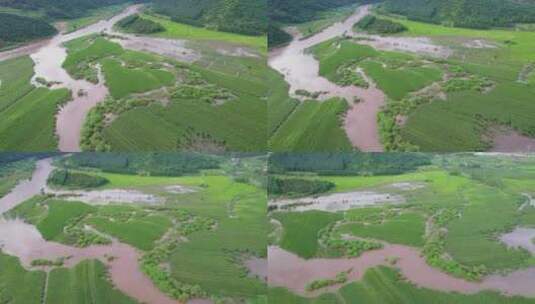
<point x="398" y="83"/>
<point x="86" y="283"/>
<point x="140" y="231"/>
<point x="183" y="31"/>
<point x="29" y="123"/>
<point x="59" y="215"/>
<point x="280" y="105"/>
<point x="12" y="173"/>
<point x="123" y="81"/>
<point x="301" y="230"/>
<point x="26" y="113"/>
<point x="17" y="285"/>
<point x="461" y="128"/>
<point x="407" y="229"/>
<point x="314" y="126"/>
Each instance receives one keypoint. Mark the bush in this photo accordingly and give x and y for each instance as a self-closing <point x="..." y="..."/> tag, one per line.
<point x="374" y="25"/>
<point x="75" y="180"/>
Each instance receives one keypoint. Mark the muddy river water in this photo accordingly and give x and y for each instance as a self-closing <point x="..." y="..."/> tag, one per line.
<point x="290" y="271"/>
<point x="24" y="241"/>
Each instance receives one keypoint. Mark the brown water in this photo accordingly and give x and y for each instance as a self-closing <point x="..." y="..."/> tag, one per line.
<point x="24" y="241"/>
<point x="26" y="189"/>
<point x="290" y="271"/>
<point x="520" y="237"/>
<point x="511" y="141"/>
<point x="301" y="71"/>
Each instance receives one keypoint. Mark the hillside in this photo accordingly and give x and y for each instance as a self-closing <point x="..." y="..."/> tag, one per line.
<point x="16" y="29"/>
<point x="465" y="13"/>
<point x="238" y="16"/>
<point x="298" y="11"/>
<point x="60" y="9"/>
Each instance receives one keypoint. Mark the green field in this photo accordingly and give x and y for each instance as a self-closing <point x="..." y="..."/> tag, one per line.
<point x="313" y="126"/>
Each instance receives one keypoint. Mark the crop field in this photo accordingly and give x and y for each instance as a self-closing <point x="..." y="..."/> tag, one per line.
<point x="467" y="114"/>
<point x="453" y="212"/>
<point x="191" y="244"/>
<point x="27" y="113"/>
<point x="313" y="126"/>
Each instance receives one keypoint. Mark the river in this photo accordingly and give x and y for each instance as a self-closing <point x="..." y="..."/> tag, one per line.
<point x="294" y="273"/>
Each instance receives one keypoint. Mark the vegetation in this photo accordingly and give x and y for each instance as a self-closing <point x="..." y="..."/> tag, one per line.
<point x="348" y="163"/>
<point x="241" y="16"/>
<point x="313" y="126"/>
<point x="472" y="14"/>
<point x="85" y="283"/>
<point x="75" y="180"/>
<point x="15" y="29"/>
<point x="162" y="164"/>
<point x="137" y="24"/>
<point x="374" y="25"/>
<point x="341" y="278"/>
<point x="290" y="187"/>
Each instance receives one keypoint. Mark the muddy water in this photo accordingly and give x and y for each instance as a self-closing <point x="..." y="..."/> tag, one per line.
<point x="26" y="189"/>
<point x="301" y="71"/>
<point x="292" y="272"/>
<point x="520" y="237"/>
<point x="338" y="201"/>
<point x="511" y="141"/>
<point x="257" y="267"/>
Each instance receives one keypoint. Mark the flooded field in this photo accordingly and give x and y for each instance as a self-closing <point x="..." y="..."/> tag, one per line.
<point x="520" y="238"/>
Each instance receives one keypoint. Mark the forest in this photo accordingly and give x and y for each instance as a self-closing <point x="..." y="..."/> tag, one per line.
<point x="479" y="14"/>
<point x="348" y="163"/>
<point x="61" y="9"/>
<point x="16" y="29"/>
<point x="158" y="164"/>
<point x="238" y="16"/>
